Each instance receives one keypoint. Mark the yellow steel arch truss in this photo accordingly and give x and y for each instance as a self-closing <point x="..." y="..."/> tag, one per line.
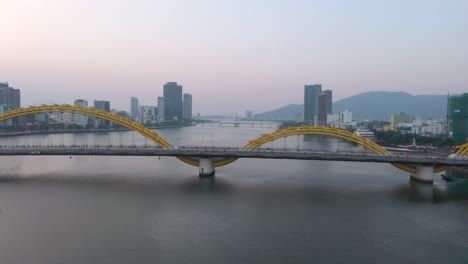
<point x="324" y="131"/>
<point x="89" y="111"/>
<point x="462" y="150"/>
<point x="317" y="130"/>
<point x="253" y="144"/>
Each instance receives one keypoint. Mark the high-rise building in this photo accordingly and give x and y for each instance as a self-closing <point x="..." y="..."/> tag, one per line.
<point x="325" y="106"/>
<point x="134" y="107"/>
<point x="311" y="102"/>
<point x="458" y="117"/>
<point x="187" y="107"/>
<point x="173" y="101"/>
<point x="11" y="99"/>
<point x="102" y="105"/>
<point x="79" y="119"/>
<point x="396" y="119"/>
<point x="160" y="108"/>
<point x="5" y="108"/>
<point x="10" y="96"/>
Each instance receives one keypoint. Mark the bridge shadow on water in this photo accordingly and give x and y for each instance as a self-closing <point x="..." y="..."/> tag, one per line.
<point x="147" y="183"/>
<point x="211" y="184"/>
<point x="314" y="191"/>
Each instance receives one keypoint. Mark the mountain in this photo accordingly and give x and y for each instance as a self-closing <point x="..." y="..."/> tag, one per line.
<point x="374" y="106"/>
<point x="284" y="113"/>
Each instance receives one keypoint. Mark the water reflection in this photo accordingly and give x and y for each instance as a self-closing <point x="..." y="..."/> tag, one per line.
<point x="438" y="192"/>
<point x="420" y="192"/>
<point x="324" y="143"/>
<point x="146" y="210"/>
<point x="206" y="185"/>
<point x="457" y="190"/>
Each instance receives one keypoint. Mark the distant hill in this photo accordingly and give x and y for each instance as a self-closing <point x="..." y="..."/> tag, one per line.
<point x="373" y="105"/>
<point x="284" y="113"/>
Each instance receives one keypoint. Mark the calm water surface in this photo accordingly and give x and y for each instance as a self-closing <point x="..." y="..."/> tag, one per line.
<point x="150" y="210"/>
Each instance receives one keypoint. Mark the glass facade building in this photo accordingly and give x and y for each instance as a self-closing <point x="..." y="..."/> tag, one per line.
<point x="102" y="105"/>
<point x="187" y="107"/>
<point x="458" y="117"/>
<point x="325" y="107"/>
<point x="172" y="101"/>
<point x="311" y="102"/>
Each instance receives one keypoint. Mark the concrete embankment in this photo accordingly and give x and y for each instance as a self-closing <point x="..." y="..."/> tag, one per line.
<point x="73" y="131"/>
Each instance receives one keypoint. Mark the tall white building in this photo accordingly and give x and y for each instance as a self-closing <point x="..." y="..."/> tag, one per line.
<point x="67" y="118"/>
<point x="79" y="119"/>
<point x="148" y="114"/>
<point x="436" y="128"/>
<point x="341" y="120"/>
<point x="61" y="118"/>
<point x="432" y="127"/>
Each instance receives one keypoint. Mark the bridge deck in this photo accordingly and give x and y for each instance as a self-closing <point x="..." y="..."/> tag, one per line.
<point x="237" y="153"/>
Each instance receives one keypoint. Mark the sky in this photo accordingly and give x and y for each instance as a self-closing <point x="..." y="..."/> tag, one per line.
<point x="232" y="56"/>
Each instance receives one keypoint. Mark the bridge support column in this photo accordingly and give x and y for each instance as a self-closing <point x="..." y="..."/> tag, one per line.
<point x="424" y="174"/>
<point x="206" y="168"/>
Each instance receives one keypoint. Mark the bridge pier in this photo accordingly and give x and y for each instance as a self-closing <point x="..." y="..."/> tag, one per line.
<point x="206" y="168"/>
<point x="424" y="174"/>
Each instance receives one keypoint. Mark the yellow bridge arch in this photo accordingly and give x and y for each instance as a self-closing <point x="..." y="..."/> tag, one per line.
<point x="89" y="111"/>
<point x="324" y="131"/>
<point x="253" y="144"/>
<point x="462" y="150"/>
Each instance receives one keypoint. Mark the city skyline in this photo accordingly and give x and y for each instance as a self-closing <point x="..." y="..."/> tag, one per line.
<point x="61" y="50"/>
<point x="135" y="102"/>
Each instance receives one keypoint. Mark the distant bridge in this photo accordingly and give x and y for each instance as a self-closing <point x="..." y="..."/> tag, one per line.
<point x="206" y="164"/>
<point x="240" y="123"/>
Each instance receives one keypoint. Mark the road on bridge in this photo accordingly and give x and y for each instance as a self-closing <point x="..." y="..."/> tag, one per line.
<point x="223" y="152"/>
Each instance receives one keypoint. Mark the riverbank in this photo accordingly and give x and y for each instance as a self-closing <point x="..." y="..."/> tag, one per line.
<point x="74" y="131"/>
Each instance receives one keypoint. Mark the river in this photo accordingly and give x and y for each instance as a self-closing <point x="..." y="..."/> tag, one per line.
<point x="151" y="210"/>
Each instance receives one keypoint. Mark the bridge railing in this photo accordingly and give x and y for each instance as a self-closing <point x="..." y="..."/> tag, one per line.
<point x="228" y="149"/>
<point x="186" y="147"/>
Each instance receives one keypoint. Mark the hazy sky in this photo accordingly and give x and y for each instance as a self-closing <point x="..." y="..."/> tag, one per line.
<point x="230" y="55"/>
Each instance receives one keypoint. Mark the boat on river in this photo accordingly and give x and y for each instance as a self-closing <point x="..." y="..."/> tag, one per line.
<point x="447" y="178"/>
